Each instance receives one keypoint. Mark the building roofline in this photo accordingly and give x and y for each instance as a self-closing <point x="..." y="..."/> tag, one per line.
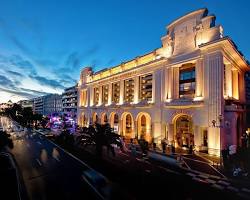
<point x="202" y="10"/>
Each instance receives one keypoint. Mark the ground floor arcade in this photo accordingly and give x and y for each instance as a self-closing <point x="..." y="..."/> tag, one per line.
<point x="179" y="128"/>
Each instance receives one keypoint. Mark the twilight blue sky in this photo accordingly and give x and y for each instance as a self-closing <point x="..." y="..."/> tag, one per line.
<point x="45" y="43"/>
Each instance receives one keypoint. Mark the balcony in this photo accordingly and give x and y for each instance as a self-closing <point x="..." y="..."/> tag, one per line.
<point x="234" y="108"/>
<point x="183" y="102"/>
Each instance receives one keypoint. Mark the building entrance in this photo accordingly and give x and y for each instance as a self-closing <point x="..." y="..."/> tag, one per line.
<point x="184" y="136"/>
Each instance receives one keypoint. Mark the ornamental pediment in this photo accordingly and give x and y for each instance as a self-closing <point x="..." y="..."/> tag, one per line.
<point x="185" y="34"/>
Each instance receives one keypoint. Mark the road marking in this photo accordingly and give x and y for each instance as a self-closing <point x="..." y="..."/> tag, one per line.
<point x="57" y="159"/>
<point x="38" y="161"/>
<point x="71" y="155"/>
<point x="39" y="143"/>
<point x="124" y="154"/>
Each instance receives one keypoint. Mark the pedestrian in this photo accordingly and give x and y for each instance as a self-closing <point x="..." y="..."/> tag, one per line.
<point x="163" y="144"/>
<point x="190" y="149"/>
<point x="173" y="149"/>
<point x="133" y="150"/>
<point x="154" y="146"/>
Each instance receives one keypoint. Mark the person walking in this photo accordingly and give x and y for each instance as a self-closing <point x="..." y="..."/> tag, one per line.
<point x="190" y="151"/>
<point x="163" y="143"/>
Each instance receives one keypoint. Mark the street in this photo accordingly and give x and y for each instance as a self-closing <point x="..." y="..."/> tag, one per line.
<point x="48" y="172"/>
<point x="51" y="173"/>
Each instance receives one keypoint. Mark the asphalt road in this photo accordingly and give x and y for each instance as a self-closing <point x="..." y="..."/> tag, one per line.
<point x="48" y="172"/>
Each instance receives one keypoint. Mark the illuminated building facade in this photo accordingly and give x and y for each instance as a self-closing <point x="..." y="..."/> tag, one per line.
<point x="189" y="91"/>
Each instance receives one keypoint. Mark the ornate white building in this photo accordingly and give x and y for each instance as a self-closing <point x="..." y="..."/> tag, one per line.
<point x="189" y="91"/>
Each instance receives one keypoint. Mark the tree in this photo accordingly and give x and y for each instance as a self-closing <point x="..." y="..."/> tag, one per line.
<point x="101" y="135"/>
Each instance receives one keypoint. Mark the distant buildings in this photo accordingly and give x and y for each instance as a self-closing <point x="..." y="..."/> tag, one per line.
<point x="3" y="106"/>
<point x="48" y="105"/>
<point x="26" y="103"/>
<point x="69" y="102"/>
<point x="190" y="91"/>
<point x="52" y="104"/>
<point x="38" y="105"/>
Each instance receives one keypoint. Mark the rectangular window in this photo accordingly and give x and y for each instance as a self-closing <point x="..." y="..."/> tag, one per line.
<point x="129" y="90"/>
<point x="146" y="87"/>
<point x="187" y="81"/>
<point x="116" y="92"/>
<point x="105" y="94"/>
<point x="96" y="95"/>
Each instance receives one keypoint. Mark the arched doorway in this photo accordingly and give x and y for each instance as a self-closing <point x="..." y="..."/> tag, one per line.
<point x="95" y="118"/>
<point x="127" y="125"/>
<point x="184" y="133"/>
<point x="104" y="118"/>
<point x="144" y="126"/>
<point x="114" y="122"/>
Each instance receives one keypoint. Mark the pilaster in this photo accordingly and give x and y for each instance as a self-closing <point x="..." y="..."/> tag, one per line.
<point x="121" y="91"/>
<point x="199" y="78"/>
<point x="136" y="90"/>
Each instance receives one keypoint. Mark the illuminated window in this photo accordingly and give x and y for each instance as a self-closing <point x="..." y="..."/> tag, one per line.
<point x="187" y="81"/>
<point x="105" y="94"/>
<point x="116" y="92"/>
<point x="96" y="96"/>
<point x="129" y="90"/>
<point x="146" y="87"/>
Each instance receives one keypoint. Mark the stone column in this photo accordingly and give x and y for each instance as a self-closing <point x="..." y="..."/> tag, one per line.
<point x="100" y="95"/>
<point x="235" y="84"/>
<point x="120" y="130"/>
<point x="157" y="130"/>
<point x="228" y="81"/>
<point x="242" y="87"/>
<point x="110" y="94"/>
<point x="91" y="96"/>
<point x="215" y="70"/>
<point x="199" y="78"/>
<point x="136" y="90"/>
<point x="156" y="92"/>
<point x="136" y="129"/>
<point x="176" y="83"/>
<point x="170" y="75"/>
<point x="166" y="84"/>
<point x="170" y="129"/>
<point x="197" y="137"/>
<point x="121" y="91"/>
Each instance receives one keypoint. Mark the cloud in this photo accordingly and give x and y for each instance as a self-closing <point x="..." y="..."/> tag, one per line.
<point x="94" y="63"/>
<point x="46" y="82"/>
<point x="46" y="62"/>
<point x="73" y="60"/>
<point x="17" y="60"/>
<point x="18" y="93"/>
<point x="20" y="45"/>
<point x="34" y="92"/>
<point x="6" y="82"/>
<point x="16" y="74"/>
